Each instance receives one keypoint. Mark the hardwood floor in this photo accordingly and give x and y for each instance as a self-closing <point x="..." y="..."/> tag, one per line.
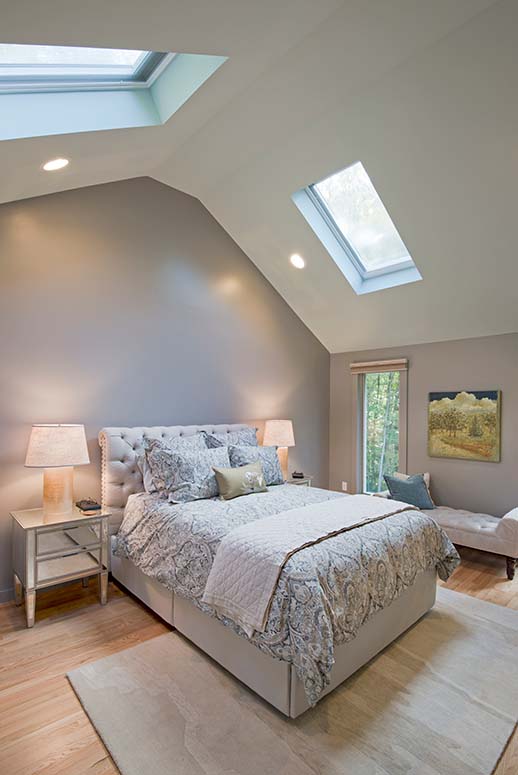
<point x="484" y="576"/>
<point x="44" y="730"/>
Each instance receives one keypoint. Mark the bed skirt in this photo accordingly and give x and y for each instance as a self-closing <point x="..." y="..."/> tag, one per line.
<point x="274" y="680"/>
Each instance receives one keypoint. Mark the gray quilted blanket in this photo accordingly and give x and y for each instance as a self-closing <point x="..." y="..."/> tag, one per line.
<point x="325" y="592"/>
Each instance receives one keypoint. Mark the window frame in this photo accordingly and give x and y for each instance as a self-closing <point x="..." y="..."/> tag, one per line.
<point x="346" y="246"/>
<point x="151" y="66"/>
<point x="317" y="216"/>
<point x="359" y="415"/>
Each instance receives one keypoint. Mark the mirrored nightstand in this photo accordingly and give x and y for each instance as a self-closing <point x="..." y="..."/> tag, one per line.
<point x="306" y="481"/>
<point x="51" y="550"/>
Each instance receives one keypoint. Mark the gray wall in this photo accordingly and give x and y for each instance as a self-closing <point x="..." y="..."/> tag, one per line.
<point x="127" y="304"/>
<point x="488" y="363"/>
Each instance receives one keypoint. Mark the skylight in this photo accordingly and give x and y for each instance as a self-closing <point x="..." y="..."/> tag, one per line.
<point x="347" y="214"/>
<point x="55" y="90"/>
<point x="357" y="212"/>
<point x="52" y="68"/>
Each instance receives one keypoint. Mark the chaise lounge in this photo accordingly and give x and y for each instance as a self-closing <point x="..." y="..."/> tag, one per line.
<point x="498" y="535"/>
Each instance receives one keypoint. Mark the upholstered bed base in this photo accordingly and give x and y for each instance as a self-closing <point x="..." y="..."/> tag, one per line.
<point x="272" y="679"/>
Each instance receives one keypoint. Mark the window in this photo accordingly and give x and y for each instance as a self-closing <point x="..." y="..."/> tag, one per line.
<point x="355" y="210"/>
<point x="54" y="90"/>
<point x="52" y="68"/>
<point x="380" y="426"/>
<point x="347" y="214"/>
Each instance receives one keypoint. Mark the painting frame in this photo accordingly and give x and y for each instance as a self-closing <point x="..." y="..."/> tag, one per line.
<point x="465" y="425"/>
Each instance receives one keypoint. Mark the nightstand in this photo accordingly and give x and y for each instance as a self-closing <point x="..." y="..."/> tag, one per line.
<point x="52" y="549"/>
<point x="306" y="481"/>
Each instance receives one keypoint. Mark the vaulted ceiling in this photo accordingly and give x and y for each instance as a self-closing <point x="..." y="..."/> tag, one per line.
<point x="423" y="93"/>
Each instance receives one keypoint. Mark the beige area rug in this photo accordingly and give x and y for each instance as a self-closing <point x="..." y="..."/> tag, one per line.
<point x="441" y="700"/>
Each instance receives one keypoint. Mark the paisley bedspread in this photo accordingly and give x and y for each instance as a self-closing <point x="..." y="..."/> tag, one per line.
<point x="325" y="592"/>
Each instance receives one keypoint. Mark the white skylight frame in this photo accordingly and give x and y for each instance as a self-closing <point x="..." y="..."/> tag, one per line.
<point x="149" y="65"/>
<point x="348" y="259"/>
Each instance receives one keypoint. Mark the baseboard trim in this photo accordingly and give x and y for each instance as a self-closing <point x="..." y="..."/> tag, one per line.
<point x="6" y="595"/>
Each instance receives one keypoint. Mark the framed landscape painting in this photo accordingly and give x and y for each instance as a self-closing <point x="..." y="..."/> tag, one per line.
<point x="465" y="425"/>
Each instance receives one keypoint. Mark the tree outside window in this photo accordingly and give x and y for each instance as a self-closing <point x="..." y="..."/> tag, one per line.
<point x="381" y="428"/>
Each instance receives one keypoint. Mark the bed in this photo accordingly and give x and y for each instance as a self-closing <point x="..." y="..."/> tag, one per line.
<point x="292" y="664"/>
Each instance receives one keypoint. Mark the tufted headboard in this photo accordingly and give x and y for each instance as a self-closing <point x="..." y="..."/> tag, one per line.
<point x="120" y="474"/>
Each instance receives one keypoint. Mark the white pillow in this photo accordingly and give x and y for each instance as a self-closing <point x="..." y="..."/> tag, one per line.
<point x="507" y="530"/>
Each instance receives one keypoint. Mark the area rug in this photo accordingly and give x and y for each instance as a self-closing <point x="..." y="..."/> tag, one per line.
<point x="440" y="700"/>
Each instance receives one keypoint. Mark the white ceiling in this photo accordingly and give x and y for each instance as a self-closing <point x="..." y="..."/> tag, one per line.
<point x="423" y="93"/>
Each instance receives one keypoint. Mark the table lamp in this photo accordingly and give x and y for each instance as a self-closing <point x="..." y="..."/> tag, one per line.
<point x="279" y="433"/>
<point x="57" y="448"/>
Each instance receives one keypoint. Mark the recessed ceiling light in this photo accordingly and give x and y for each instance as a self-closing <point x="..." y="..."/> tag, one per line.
<point x="297" y="261"/>
<point x="55" y="164"/>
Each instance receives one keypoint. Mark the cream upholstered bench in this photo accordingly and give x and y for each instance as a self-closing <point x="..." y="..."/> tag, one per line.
<point x="498" y="535"/>
<point x="481" y="531"/>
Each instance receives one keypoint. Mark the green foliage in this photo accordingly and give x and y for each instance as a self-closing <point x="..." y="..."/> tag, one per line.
<point x="451" y="420"/>
<point x="490" y="421"/>
<point x="382" y="428"/>
<point x="475" y="427"/>
<point x="457" y="421"/>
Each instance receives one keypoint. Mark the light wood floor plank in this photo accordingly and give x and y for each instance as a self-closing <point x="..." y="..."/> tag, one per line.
<point x="43" y="729"/>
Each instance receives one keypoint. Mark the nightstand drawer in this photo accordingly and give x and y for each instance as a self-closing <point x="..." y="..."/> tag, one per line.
<point x="65" y="540"/>
<point x="53" y="569"/>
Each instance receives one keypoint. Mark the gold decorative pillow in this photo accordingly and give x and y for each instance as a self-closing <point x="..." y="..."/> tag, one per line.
<point x="244" y="480"/>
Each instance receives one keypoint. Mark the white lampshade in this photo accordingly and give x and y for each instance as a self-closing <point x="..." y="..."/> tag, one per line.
<point x="57" y="445"/>
<point x="278" y="433"/>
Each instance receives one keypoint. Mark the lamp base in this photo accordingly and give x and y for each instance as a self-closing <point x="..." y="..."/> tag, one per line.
<point x="58" y="490"/>
<point x="282" y="453"/>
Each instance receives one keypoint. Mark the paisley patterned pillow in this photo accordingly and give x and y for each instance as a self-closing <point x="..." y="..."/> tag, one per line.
<point x="267" y="456"/>
<point x="177" y="443"/>
<point x="186" y="476"/>
<point x="243" y="437"/>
